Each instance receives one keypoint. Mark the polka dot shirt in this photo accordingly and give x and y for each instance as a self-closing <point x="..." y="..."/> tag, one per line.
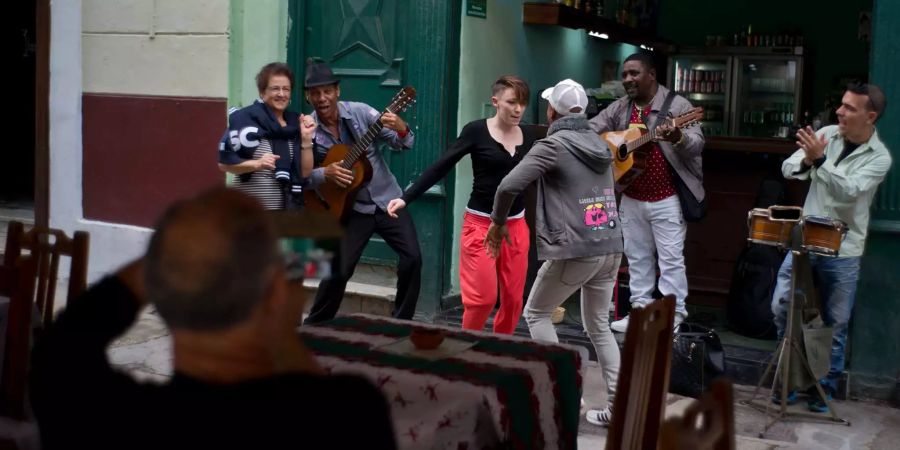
<point x="655" y="183"/>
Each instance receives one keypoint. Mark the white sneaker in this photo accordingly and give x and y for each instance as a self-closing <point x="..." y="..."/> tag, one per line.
<point x="601" y="417"/>
<point x="620" y="325"/>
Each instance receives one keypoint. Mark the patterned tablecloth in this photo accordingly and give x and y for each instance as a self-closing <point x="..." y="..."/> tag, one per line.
<point x="522" y="393"/>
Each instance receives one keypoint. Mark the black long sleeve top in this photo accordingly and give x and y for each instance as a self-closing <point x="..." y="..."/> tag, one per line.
<point x="490" y="163"/>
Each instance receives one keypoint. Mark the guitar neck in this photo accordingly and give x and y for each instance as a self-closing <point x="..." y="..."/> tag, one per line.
<point x="649" y="136"/>
<point x="359" y="148"/>
<point x="641" y="141"/>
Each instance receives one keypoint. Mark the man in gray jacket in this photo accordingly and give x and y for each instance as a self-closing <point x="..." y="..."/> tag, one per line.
<point x="577" y="225"/>
<point x="652" y="219"/>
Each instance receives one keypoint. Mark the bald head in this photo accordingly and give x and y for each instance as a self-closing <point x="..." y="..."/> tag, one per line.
<point x="211" y="260"/>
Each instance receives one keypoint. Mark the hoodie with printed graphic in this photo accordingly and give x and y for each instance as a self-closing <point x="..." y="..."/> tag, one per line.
<point x="576" y="213"/>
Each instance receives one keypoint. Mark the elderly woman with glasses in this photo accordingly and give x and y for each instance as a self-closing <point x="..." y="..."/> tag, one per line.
<point x="267" y="147"/>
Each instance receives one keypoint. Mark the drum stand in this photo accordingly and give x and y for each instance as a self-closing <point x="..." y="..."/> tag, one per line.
<point x="782" y="362"/>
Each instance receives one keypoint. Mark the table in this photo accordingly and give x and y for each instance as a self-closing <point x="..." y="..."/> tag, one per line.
<point x="518" y="392"/>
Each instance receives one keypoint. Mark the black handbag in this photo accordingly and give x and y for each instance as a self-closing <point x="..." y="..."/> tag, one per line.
<point x="697" y="359"/>
<point x="691" y="209"/>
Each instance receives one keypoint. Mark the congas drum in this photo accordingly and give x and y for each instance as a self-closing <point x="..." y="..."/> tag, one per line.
<point x="823" y="235"/>
<point x="773" y="225"/>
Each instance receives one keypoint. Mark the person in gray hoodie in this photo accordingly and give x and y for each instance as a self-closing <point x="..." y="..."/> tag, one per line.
<point x="577" y="226"/>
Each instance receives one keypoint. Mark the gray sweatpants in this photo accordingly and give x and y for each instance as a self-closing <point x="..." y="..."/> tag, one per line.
<point x="556" y="281"/>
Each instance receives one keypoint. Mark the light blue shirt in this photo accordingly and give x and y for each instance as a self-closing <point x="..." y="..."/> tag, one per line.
<point x="843" y="191"/>
<point x="355" y="120"/>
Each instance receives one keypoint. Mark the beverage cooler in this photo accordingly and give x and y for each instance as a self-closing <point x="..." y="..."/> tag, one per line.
<point x="751" y="92"/>
<point x="705" y="80"/>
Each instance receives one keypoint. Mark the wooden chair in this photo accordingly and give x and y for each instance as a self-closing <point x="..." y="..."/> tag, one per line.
<point x="17" y="285"/>
<point x="706" y="425"/>
<point x="47" y="245"/>
<point x="639" y="406"/>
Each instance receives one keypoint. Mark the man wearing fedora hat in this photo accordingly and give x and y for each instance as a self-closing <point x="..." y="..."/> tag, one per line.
<point x="343" y="122"/>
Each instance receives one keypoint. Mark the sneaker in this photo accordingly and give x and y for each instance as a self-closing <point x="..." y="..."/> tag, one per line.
<point x="600" y="417"/>
<point x="620" y="325"/>
<point x="791" y="397"/>
<point x="816" y="403"/>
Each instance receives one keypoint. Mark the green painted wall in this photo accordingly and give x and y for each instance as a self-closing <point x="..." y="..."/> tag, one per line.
<point x="542" y="55"/>
<point x="829" y="30"/>
<point x="875" y="330"/>
<point x="258" y="31"/>
<point x="257" y="35"/>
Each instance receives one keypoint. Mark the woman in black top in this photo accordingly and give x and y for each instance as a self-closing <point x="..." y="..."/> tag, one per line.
<point x="496" y="145"/>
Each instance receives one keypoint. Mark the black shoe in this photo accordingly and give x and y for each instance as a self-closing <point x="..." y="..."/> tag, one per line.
<point x="791" y="397"/>
<point x="816" y="403"/>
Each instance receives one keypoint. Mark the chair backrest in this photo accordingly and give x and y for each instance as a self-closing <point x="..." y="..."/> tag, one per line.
<point x="707" y="424"/>
<point x="640" y="401"/>
<point x="46" y="246"/>
<point x="16" y="284"/>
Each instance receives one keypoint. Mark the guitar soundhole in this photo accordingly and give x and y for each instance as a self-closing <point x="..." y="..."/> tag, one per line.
<point x="623" y="151"/>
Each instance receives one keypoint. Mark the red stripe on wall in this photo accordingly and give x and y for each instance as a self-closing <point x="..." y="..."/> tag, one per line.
<point x="142" y="152"/>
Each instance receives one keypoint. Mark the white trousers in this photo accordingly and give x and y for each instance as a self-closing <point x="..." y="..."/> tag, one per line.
<point x="654" y="229"/>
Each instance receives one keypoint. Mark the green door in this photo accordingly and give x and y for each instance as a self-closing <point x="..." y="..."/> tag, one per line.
<point x="376" y="47"/>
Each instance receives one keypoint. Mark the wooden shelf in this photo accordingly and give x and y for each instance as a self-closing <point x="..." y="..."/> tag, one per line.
<point x="566" y="16"/>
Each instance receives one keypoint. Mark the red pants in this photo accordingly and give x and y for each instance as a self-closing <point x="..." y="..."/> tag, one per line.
<point x="478" y="274"/>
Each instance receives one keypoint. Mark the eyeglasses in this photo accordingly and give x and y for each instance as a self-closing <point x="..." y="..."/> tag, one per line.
<point x="277" y="89"/>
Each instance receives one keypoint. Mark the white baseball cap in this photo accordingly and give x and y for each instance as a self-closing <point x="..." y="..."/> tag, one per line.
<point x="567" y="97"/>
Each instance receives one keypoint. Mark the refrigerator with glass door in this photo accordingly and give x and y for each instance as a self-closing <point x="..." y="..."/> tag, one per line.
<point x="705" y="80"/>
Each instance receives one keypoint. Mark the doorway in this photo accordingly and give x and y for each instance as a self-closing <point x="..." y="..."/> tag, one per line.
<point x="17" y="181"/>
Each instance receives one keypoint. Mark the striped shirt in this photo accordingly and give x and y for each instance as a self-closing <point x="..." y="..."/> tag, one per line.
<point x="262" y="185"/>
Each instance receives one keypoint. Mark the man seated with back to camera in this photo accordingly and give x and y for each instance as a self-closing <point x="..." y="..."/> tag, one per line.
<point x="242" y="378"/>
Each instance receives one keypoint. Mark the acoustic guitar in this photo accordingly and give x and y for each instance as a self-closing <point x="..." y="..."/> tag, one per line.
<point x="338" y="201"/>
<point x="632" y="147"/>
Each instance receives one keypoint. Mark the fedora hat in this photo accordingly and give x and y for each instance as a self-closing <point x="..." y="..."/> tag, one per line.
<point x="318" y="74"/>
